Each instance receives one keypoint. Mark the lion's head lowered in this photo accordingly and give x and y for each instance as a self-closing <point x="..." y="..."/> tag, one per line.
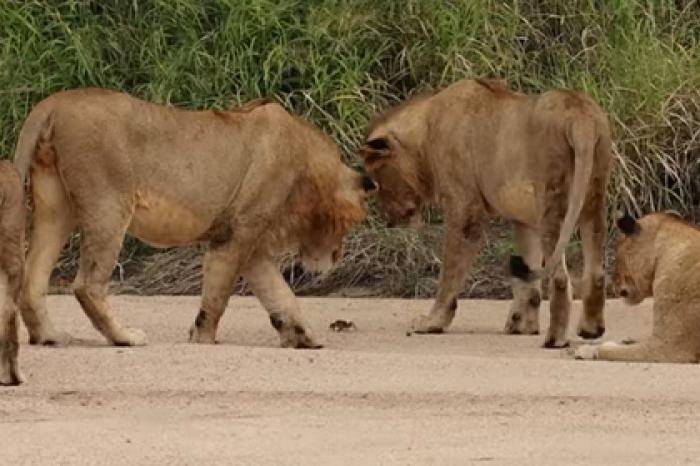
<point x="392" y="155"/>
<point x="326" y="205"/>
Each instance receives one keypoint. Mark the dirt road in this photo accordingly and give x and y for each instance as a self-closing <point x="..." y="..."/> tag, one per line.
<point x="375" y="396"/>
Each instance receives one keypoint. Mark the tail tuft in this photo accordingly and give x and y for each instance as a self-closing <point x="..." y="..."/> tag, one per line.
<point x="519" y="269"/>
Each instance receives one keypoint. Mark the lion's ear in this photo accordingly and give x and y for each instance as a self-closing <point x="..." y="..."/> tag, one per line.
<point x="628" y="225"/>
<point x="378" y="144"/>
<point x="369" y="185"/>
<point x="375" y="150"/>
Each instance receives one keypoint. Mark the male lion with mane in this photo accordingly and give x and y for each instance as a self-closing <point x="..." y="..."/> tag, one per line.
<point x="247" y="182"/>
<point x="658" y="255"/>
<point x="12" y="224"/>
<point x="476" y="148"/>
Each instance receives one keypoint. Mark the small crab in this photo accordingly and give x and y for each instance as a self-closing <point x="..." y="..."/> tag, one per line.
<point x="342" y="326"/>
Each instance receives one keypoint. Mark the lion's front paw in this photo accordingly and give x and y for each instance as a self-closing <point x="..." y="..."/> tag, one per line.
<point x="293" y="334"/>
<point x="298" y="336"/>
<point x="301" y="340"/>
<point x="586" y="352"/>
<point x="199" y="335"/>
<point x="130" y="337"/>
<point x="428" y="324"/>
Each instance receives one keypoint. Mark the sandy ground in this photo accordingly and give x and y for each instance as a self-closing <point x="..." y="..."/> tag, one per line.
<point x="374" y="397"/>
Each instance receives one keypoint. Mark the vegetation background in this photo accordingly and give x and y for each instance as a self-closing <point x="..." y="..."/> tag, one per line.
<point x="338" y="62"/>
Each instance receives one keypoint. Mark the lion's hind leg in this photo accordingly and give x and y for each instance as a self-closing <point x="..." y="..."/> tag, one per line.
<point x="593" y="233"/>
<point x="269" y="286"/>
<point x="560" y="293"/>
<point x="52" y="224"/>
<point x="525" y="308"/>
<point x="100" y="243"/>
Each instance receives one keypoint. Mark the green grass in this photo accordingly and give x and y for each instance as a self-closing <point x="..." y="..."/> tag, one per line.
<point x="338" y="62"/>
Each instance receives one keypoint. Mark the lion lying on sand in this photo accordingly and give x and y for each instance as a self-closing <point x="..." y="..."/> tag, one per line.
<point x="247" y="182"/>
<point x="658" y="255"/>
<point x="12" y="224"/>
<point x="478" y="149"/>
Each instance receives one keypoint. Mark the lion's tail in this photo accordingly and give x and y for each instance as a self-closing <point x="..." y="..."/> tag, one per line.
<point x="582" y="137"/>
<point x="37" y="127"/>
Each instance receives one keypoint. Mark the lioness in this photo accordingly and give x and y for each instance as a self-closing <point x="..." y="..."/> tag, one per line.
<point x="477" y="148"/>
<point x="658" y="256"/>
<point x="246" y="182"/>
<point x="12" y="221"/>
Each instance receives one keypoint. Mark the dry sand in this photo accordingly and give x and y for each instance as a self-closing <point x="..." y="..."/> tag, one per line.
<point x="375" y="396"/>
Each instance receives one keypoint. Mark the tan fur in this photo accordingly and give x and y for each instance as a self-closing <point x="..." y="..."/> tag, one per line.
<point x="248" y="182"/>
<point x="478" y="149"/>
<point x="663" y="261"/>
<point x="12" y="224"/>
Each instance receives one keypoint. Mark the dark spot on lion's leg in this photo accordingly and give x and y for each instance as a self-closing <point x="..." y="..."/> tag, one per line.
<point x="453" y="304"/>
<point x="299" y="330"/>
<point x="535" y="299"/>
<point x="276" y="321"/>
<point x="519" y="269"/>
<point x="199" y="320"/>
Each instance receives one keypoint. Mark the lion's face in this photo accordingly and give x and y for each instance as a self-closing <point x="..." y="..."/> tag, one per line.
<point x="396" y="173"/>
<point x="319" y="255"/>
<point x="332" y="218"/>
<point x="624" y="280"/>
<point x="634" y="264"/>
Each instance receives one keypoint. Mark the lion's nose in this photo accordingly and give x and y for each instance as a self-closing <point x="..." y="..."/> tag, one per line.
<point x="624" y="293"/>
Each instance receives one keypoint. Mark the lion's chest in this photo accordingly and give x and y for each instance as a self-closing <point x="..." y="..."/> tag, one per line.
<point x="163" y="221"/>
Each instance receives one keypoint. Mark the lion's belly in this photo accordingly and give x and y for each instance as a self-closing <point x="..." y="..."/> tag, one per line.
<point x="162" y="222"/>
<point x="517" y="201"/>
